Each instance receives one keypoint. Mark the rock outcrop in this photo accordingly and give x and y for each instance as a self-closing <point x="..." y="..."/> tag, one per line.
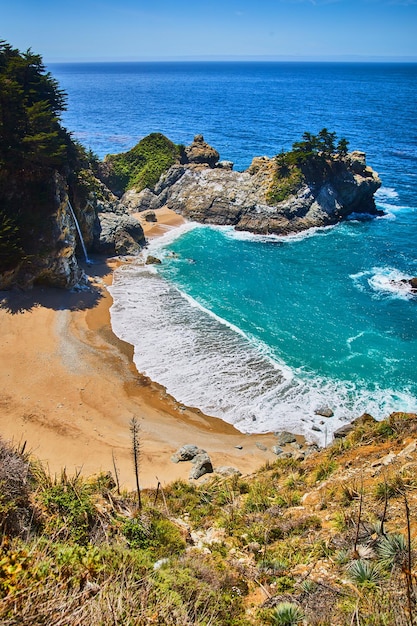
<point x="319" y="192"/>
<point x="204" y="190"/>
<point x="200" y="152"/>
<point x="106" y="227"/>
<point x="55" y="263"/>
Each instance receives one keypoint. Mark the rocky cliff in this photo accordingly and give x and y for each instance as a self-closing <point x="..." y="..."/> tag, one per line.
<point x="265" y="198"/>
<point x="55" y="256"/>
<point x="48" y="184"/>
<point x="282" y="195"/>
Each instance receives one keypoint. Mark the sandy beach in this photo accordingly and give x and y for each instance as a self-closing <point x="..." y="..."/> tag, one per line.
<point x="69" y="389"/>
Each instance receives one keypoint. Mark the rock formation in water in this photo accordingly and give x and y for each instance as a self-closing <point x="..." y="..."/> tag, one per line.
<point x="51" y="187"/>
<point x="272" y="196"/>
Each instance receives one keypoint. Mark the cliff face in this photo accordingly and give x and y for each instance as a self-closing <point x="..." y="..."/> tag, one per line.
<point x="49" y="258"/>
<point x="41" y="169"/>
<point x="213" y="193"/>
<point x="54" y="255"/>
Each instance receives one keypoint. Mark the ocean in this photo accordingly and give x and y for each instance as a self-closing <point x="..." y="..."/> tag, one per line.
<point x="263" y="331"/>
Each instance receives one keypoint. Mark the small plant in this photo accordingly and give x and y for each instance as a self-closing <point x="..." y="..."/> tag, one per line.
<point x="350" y="491"/>
<point x="287" y="614"/>
<point x="272" y="566"/>
<point x="308" y="586"/>
<point x="364" y="572"/>
<point x="342" y="557"/>
<point x="324" y="470"/>
<point x="392" y="550"/>
<point x="259" y="497"/>
<point x="390" y="488"/>
<point x="342" y="521"/>
<point x="284" y="584"/>
<point x="157" y="535"/>
<point x="12" y="566"/>
<point x="293" y="479"/>
<point x="288" y="498"/>
<point x="383" y="430"/>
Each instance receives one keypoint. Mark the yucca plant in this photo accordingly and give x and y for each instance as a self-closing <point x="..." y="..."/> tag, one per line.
<point x="362" y="572"/>
<point x="287" y="614"/>
<point x="342" y="557"/>
<point x="392" y="550"/>
<point x="308" y="586"/>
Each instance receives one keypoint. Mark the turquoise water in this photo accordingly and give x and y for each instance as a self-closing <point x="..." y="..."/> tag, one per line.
<point x="263" y="331"/>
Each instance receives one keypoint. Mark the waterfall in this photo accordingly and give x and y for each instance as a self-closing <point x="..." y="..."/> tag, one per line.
<point x="87" y="260"/>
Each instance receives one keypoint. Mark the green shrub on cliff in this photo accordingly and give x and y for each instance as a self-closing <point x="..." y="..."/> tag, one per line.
<point x="286" y="181"/>
<point x="307" y="161"/>
<point x="10" y="249"/>
<point x="141" y="166"/>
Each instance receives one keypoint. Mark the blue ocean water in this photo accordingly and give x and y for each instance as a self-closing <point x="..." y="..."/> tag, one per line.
<point x="263" y="331"/>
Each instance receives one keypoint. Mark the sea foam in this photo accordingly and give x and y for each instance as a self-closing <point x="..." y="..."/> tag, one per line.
<point x="384" y="282"/>
<point x="205" y="362"/>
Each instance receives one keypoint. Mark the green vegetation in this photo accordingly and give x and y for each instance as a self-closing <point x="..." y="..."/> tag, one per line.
<point x="287" y="180"/>
<point x="307" y="161"/>
<point x="364" y="572"/>
<point x="287" y="614"/>
<point x="33" y="146"/>
<point x="319" y="146"/>
<point x="141" y="166"/>
<point x="30" y="104"/>
<point x="231" y="551"/>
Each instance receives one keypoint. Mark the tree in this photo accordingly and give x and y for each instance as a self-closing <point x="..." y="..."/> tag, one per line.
<point x="326" y="141"/>
<point x="33" y="144"/>
<point x="342" y="147"/>
<point x="30" y="104"/>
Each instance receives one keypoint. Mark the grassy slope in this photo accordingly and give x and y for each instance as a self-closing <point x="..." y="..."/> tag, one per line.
<point x="327" y="535"/>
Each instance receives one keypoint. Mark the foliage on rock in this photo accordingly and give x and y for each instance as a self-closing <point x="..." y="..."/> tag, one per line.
<point x="312" y="159"/>
<point x="142" y="166"/>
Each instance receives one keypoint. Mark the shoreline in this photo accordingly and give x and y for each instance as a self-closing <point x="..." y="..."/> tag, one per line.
<point x="70" y="389"/>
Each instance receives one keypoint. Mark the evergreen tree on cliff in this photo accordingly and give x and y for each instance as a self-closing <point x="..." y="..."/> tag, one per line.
<point x="32" y="146"/>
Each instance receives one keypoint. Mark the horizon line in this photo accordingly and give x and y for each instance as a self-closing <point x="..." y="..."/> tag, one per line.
<point x="342" y="58"/>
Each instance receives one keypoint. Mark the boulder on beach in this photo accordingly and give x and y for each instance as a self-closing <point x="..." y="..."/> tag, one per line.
<point x="187" y="453"/>
<point x="202" y="465"/>
<point x="285" y="437"/>
<point x="150" y="216"/>
<point x="153" y="260"/>
<point x="227" y="471"/>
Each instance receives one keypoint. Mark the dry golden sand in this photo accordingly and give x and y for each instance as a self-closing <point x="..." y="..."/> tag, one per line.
<point x="69" y="389"/>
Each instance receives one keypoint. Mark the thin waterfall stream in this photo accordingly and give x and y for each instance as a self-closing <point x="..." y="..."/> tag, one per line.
<point x="87" y="260"/>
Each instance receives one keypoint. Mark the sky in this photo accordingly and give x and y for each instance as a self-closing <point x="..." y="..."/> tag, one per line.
<point x="129" y="30"/>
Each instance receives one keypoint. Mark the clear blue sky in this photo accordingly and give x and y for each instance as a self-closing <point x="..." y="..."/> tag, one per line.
<point x="152" y="29"/>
